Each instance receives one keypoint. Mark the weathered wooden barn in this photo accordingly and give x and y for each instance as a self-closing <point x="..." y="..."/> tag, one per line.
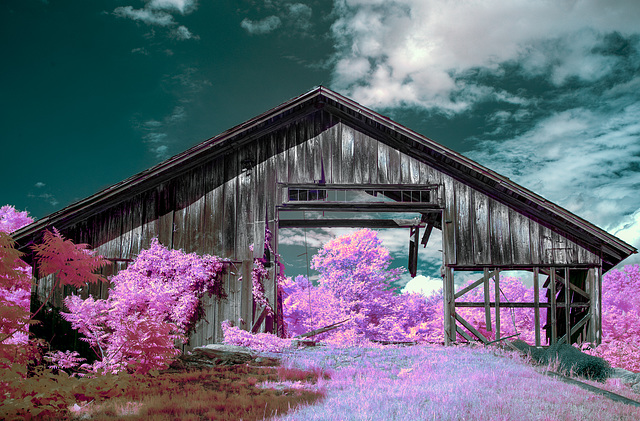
<point x="324" y="152"/>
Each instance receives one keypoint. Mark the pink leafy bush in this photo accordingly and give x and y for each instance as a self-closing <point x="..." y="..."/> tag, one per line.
<point x="265" y="342"/>
<point x="15" y="279"/>
<point x="12" y="219"/>
<point x="64" y="360"/>
<point x="14" y="294"/>
<point x="152" y="304"/>
<point x="620" y="318"/>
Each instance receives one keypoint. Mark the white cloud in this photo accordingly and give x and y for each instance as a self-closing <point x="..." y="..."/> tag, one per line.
<point x="150" y="17"/>
<point x="179" y="113"/>
<point x="140" y="50"/>
<point x="39" y="184"/>
<point x="159" y="13"/>
<point x="158" y="144"/>
<point x="156" y="138"/>
<point x="181" y="6"/>
<point x="300" y="15"/>
<point x="47" y="197"/>
<point x="425" y="285"/>
<point x="419" y="53"/>
<point x="263" y="26"/>
<point x="183" y="33"/>
<point x="629" y="231"/>
<point x="161" y="152"/>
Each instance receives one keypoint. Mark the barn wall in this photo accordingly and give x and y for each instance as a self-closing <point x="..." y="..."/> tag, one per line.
<point x="477" y="229"/>
<point x="223" y="206"/>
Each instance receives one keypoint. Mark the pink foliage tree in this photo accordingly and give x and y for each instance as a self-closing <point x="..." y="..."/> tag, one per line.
<point x="152" y="304"/>
<point x="354" y="285"/>
<point x="15" y="288"/>
<point x="70" y="264"/>
<point x="621" y="318"/>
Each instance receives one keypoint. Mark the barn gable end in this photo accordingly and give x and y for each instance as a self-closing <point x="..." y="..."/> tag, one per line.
<point x="220" y="196"/>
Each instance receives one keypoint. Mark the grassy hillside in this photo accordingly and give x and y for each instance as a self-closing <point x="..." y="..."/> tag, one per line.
<point x="436" y="383"/>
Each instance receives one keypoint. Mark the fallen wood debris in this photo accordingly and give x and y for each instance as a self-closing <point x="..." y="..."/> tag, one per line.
<point x="322" y="329"/>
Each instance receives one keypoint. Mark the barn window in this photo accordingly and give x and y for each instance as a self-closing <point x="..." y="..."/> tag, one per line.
<point x="361" y="194"/>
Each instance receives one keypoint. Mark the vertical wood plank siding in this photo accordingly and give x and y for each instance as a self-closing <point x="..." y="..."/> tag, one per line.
<point x="220" y="208"/>
<point x="480" y="228"/>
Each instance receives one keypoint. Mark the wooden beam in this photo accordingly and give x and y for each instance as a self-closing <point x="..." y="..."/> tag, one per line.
<point x="567" y="303"/>
<point x="487" y="300"/>
<point x="427" y="233"/>
<point x="475" y="284"/>
<point x="413" y="251"/>
<point x="471" y="329"/>
<point x="361" y="207"/>
<point x="430" y="219"/>
<point x="496" y="282"/>
<point x="449" y="306"/>
<point x="597" y="306"/>
<point x="536" y="305"/>
<point x="323" y="329"/>
<point x="363" y="186"/>
<point x="514" y="305"/>
<point x="464" y="334"/>
<point x="575" y="328"/>
<point x="349" y="223"/>
<point x="258" y="322"/>
<point x="552" y="291"/>
<point x="579" y="290"/>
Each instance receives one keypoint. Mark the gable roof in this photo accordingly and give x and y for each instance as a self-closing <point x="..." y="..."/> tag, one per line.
<point x="610" y="248"/>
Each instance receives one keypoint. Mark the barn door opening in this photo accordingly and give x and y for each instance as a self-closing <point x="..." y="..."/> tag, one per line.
<point x="404" y="216"/>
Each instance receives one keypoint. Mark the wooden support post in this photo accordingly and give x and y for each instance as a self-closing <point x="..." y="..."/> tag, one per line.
<point x="591" y="280"/>
<point x="552" y="293"/>
<point x="449" y="307"/>
<point x="536" y="303"/>
<point x="597" y="296"/>
<point x="497" y="300"/>
<point x="413" y="251"/>
<point x="487" y="300"/>
<point x="567" y="305"/>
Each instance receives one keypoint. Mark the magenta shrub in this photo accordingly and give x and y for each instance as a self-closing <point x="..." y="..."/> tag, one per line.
<point x="152" y="304"/>
<point x="620" y="319"/>
<point x="265" y="342"/>
<point x="15" y="287"/>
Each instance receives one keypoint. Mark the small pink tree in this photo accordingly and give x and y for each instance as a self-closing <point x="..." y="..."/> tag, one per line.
<point x="70" y="264"/>
<point x="355" y="284"/>
<point x="15" y="283"/>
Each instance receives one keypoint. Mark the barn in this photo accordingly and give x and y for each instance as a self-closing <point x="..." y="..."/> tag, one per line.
<point x="322" y="152"/>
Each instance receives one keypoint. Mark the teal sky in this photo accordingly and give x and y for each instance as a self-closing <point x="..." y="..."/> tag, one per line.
<point x="544" y="92"/>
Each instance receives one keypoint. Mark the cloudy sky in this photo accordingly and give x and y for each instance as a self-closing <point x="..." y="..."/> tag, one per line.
<point x="546" y="92"/>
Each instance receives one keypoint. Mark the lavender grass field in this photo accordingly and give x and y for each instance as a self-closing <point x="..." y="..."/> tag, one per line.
<point x="436" y="383"/>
